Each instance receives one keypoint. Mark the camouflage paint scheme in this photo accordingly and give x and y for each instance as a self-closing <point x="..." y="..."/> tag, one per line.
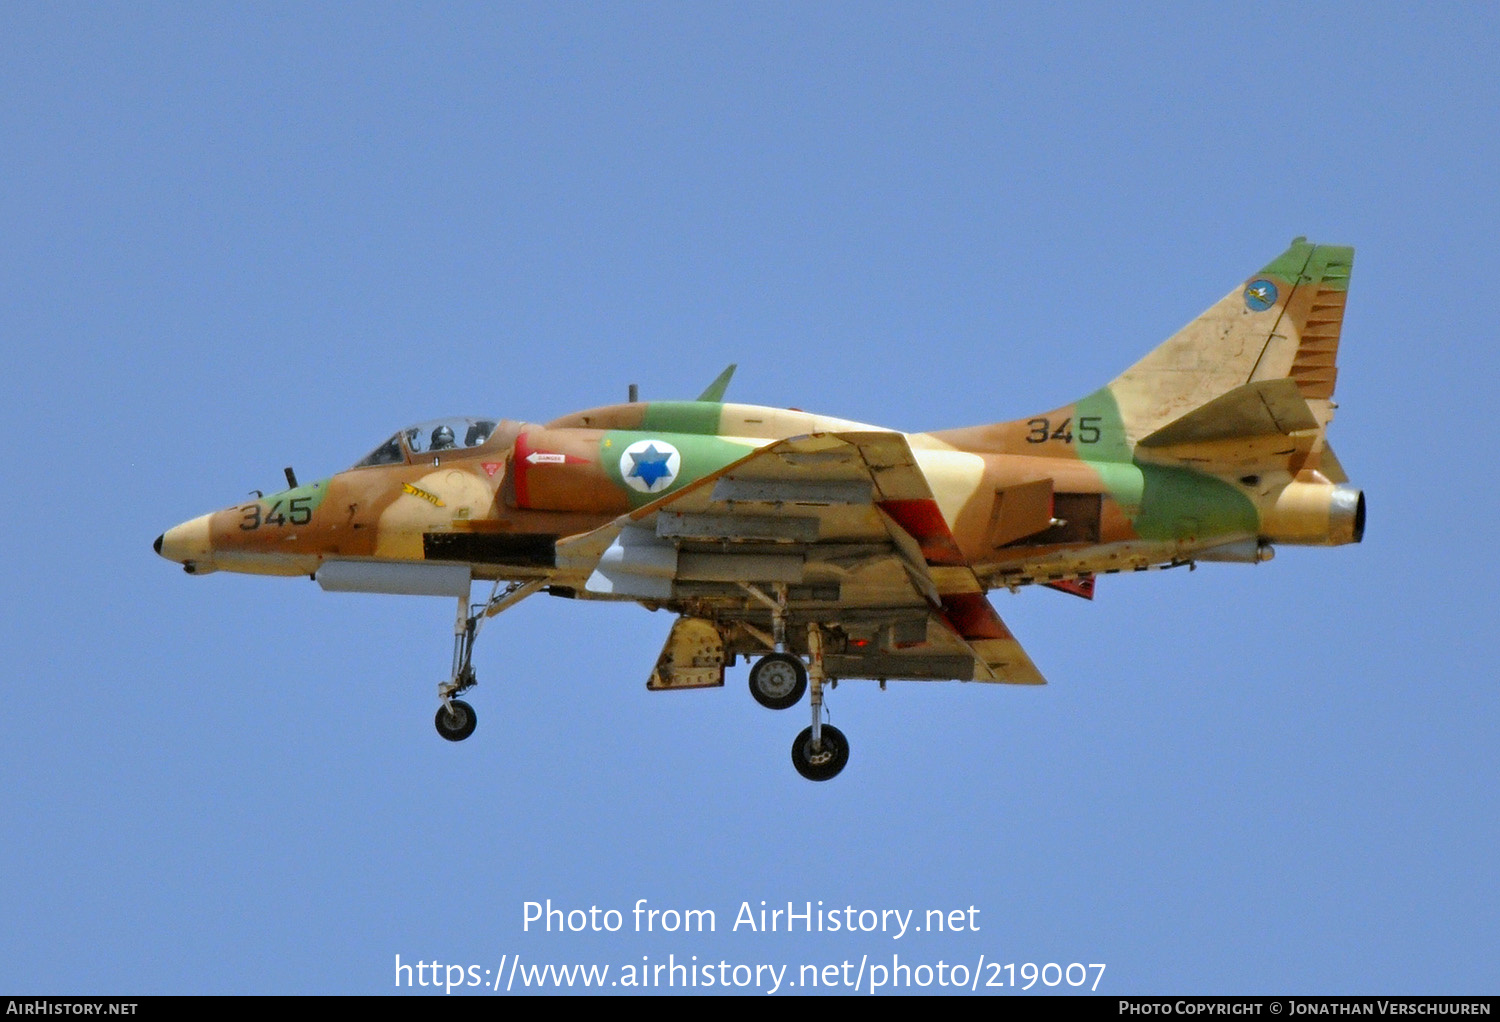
<point x="1212" y="447"/>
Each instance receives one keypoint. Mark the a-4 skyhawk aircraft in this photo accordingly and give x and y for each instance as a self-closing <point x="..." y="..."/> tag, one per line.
<point x="830" y="550"/>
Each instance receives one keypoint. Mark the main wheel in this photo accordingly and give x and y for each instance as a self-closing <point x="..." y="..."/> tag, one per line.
<point x="777" y="680"/>
<point x="457" y="724"/>
<point x="820" y="764"/>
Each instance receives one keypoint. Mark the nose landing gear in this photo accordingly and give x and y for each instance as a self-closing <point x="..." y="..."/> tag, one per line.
<point x="455" y="718"/>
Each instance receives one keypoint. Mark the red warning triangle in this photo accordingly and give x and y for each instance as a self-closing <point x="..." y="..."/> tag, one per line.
<point x="1081" y="586"/>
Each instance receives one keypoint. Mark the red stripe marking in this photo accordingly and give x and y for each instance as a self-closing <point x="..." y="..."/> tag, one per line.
<point x="518" y="467"/>
<point x="972" y="617"/>
<point x="925" y="522"/>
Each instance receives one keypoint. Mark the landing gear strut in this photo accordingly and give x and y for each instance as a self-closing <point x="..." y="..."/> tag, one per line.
<point x="821" y="750"/>
<point x="455" y="718"/>
<point x="777" y="681"/>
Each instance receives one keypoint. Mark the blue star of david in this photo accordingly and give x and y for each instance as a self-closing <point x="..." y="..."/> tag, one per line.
<point x="650" y="465"/>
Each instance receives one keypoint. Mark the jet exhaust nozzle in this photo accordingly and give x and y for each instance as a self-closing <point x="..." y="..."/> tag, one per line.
<point x="1349" y="511"/>
<point x="1316" y="514"/>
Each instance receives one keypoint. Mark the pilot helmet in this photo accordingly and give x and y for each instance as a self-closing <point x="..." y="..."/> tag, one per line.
<point x="442" y="438"/>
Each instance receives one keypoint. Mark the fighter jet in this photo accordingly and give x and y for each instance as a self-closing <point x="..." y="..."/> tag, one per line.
<point x="826" y="550"/>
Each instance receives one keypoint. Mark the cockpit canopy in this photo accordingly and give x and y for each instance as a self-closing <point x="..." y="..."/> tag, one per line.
<point x="452" y="434"/>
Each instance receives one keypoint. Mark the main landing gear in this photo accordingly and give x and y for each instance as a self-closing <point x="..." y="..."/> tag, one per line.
<point x="777" y="681"/>
<point x="455" y="718"/>
<point x="819" y="762"/>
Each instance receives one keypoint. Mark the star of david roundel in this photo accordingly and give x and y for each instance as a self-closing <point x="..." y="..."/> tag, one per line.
<point x="650" y="466"/>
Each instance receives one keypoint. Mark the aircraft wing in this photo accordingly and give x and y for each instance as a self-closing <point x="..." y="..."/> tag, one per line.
<point x="848" y="525"/>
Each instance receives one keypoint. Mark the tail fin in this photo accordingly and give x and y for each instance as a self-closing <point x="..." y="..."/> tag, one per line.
<point x="1247" y="384"/>
<point x="1282" y="324"/>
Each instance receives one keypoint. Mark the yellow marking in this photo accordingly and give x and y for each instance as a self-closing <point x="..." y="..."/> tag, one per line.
<point x="417" y="491"/>
<point x="954" y="477"/>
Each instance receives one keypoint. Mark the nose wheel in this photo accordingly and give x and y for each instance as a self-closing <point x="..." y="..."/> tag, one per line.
<point x="455" y="721"/>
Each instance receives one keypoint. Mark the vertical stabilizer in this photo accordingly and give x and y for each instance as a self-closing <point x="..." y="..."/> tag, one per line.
<point x="1282" y="323"/>
<point x="1245" y="387"/>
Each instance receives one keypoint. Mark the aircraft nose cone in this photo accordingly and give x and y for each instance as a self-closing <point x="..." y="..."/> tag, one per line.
<point x="188" y="544"/>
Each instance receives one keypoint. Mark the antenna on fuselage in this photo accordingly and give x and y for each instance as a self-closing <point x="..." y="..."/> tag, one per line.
<point x="635" y="393"/>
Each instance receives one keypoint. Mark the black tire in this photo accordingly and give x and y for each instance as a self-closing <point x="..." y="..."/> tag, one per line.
<point x="820" y="764"/>
<point x="457" y="724"/>
<point x="777" y="680"/>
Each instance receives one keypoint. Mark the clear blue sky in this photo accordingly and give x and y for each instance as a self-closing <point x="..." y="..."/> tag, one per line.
<point x="237" y="237"/>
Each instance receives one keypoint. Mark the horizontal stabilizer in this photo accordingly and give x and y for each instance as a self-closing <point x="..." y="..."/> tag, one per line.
<point x="1264" y="408"/>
